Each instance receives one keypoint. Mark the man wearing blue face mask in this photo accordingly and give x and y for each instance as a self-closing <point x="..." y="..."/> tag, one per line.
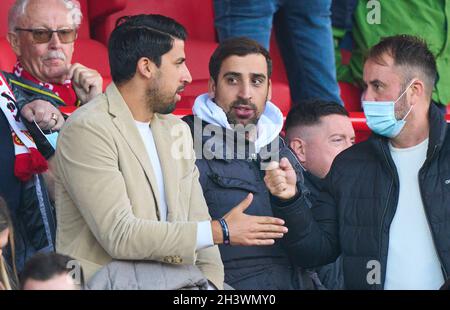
<point x="385" y="206"/>
<point x="381" y="116"/>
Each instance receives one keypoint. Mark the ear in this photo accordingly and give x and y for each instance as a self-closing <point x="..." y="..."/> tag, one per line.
<point x="4" y="237"/>
<point x="417" y="91"/>
<point x="269" y="90"/>
<point x="145" y="67"/>
<point x="13" y="39"/>
<point x="299" y="147"/>
<point x="211" y="88"/>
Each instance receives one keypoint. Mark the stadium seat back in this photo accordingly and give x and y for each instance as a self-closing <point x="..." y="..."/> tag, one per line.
<point x="196" y="15"/>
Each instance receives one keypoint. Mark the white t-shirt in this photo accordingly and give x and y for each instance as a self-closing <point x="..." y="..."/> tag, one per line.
<point x="412" y="261"/>
<point x="204" y="230"/>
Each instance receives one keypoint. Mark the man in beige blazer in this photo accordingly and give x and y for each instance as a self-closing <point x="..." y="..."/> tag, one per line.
<point x="127" y="185"/>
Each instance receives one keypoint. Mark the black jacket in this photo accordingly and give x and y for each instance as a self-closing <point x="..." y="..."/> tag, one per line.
<point x="330" y="275"/>
<point x="31" y="210"/>
<point x="226" y="181"/>
<point x="354" y="212"/>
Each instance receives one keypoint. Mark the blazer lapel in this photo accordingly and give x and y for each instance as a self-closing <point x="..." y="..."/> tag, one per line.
<point x="163" y="140"/>
<point x="124" y="121"/>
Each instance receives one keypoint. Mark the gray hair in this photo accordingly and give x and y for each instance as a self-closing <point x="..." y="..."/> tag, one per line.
<point x="19" y="7"/>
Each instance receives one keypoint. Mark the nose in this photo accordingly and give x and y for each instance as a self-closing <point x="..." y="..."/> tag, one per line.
<point x="245" y="91"/>
<point x="187" y="78"/>
<point x="367" y="95"/>
<point x="54" y="41"/>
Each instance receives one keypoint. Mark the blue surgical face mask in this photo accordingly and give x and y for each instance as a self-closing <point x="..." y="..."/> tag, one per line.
<point x="380" y="116"/>
<point x="52" y="138"/>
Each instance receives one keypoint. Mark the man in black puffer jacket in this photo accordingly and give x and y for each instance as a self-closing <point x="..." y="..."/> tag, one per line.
<point x="317" y="131"/>
<point x="385" y="205"/>
<point x="236" y="130"/>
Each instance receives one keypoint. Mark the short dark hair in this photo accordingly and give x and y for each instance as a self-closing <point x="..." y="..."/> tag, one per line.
<point x="239" y="46"/>
<point x="409" y="52"/>
<point x="145" y="35"/>
<point x="44" y="266"/>
<point x="309" y="112"/>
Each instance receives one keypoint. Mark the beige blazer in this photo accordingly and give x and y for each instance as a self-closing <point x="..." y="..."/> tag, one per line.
<point x="106" y="194"/>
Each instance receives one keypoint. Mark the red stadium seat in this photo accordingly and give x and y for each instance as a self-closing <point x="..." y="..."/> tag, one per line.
<point x="358" y="120"/>
<point x="198" y="18"/>
<point x="201" y="35"/>
<point x="7" y="57"/>
<point x="281" y="94"/>
<point x="196" y="15"/>
<point x="100" y="9"/>
<point x="351" y="95"/>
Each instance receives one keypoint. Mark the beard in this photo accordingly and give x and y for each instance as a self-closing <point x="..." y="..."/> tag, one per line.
<point x="402" y="108"/>
<point x="234" y="120"/>
<point x="162" y="102"/>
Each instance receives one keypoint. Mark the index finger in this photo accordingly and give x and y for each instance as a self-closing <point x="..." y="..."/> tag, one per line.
<point x="71" y="69"/>
<point x="27" y="113"/>
<point x="270" y="220"/>
<point x="270" y="228"/>
<point x="272" y="165"/>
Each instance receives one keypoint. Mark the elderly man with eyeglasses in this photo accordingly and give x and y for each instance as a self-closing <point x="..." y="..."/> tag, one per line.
<point x="42" y="34"/>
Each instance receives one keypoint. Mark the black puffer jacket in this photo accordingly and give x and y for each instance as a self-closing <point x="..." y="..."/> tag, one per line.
<point x="331" y="275"/>
<point x="226" y="182"/>
<point x="353" y="214"/>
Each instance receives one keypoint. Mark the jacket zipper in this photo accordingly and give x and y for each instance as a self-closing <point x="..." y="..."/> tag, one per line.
<point x="384" y="211"/>
<point x="426" y="214"/>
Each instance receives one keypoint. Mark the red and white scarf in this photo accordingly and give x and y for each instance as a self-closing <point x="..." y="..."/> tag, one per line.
<point x="28" y="159"/>
<point x="64" y="91"/>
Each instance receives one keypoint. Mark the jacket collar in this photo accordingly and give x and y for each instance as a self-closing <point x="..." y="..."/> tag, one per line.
<point x="438" y="129"/>
<point x="268" y="127"/>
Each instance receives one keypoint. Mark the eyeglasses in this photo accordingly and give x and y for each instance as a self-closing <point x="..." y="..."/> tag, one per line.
<point x="45" y="35"/>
